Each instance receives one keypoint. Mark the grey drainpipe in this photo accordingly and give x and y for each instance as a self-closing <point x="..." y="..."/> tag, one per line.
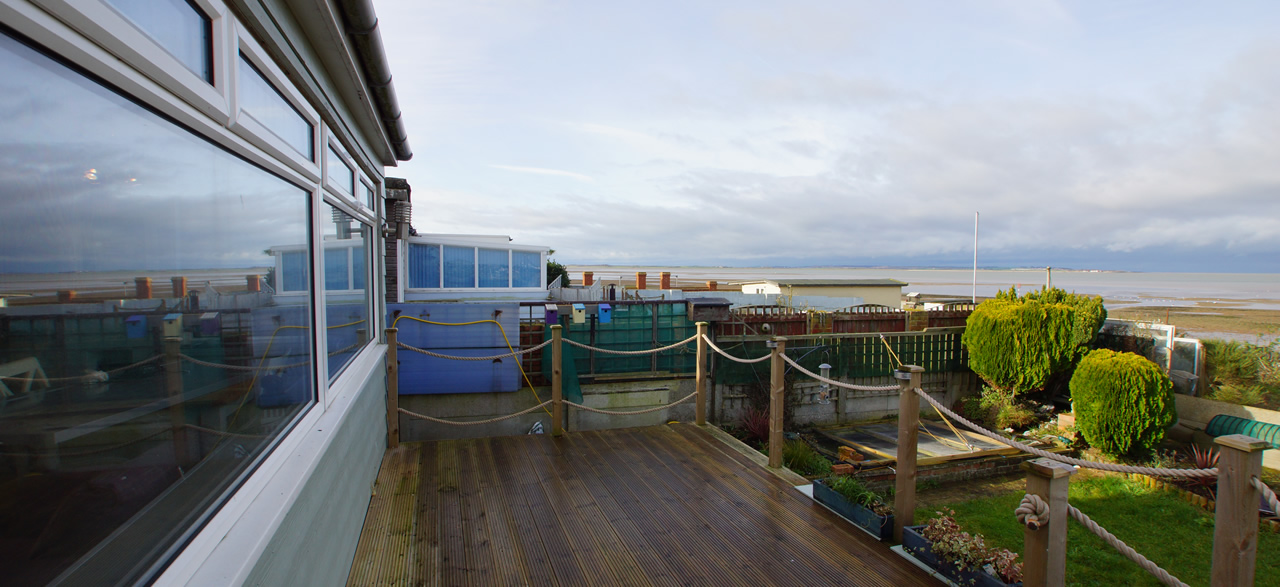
<point x="362" y="26"/>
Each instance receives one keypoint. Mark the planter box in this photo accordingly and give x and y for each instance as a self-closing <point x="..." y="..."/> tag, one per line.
<point x="879" y="526"/>
<point x="916" y="545"/>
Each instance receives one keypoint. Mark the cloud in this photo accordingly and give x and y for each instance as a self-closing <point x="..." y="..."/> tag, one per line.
<point x="542" y="171"/>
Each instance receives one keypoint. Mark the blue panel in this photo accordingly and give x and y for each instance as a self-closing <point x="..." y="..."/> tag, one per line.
<point x="420" y="374"/>
<point x="345" y="328"/>
<point x="459" y="266"/>
<point x="424" y="265"/>
<point x="493" y="268"/>
<point x="295" y="271"/>
<point x="357" y="267"/>
<point x="277" y="341"/>
<point x="335" y="269"/>
<point x="526" y="269"/>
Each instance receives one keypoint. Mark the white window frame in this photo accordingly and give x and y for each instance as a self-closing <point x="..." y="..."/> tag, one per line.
<point x="475" y="248"/>
<point x="345" y="192"/>
<point x="121" y="37"/>
<point x="244" y="124"/>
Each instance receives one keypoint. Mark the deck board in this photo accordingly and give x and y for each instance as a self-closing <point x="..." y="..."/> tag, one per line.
<point x="663" y="505"/>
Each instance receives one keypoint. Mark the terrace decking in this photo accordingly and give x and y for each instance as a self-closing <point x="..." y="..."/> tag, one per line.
<point x="668" y="505"/>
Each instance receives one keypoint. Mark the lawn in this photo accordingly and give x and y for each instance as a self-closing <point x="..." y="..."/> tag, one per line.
<point x="1172" y="533"/>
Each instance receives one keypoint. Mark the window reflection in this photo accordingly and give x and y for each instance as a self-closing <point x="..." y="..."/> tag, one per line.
<point x="178" y="26"/>
<point x="266" y="105"/>
<point x="148" y="359"/>
<point x="340" y="174"/>
<point x="347" y="298"/>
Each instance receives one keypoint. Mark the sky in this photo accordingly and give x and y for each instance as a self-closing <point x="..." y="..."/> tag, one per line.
<point x="1123" y="135"/>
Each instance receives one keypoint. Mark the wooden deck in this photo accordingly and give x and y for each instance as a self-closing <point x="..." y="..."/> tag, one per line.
<point x="667" y="505"/>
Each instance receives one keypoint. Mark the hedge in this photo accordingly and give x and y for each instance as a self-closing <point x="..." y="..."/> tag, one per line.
<point x="1123" y="402"/>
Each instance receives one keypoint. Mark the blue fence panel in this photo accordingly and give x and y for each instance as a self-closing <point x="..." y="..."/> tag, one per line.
<point x="421" y="374"/>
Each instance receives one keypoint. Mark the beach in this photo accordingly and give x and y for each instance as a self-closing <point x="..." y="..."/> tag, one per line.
<point x="1240" y="306"/>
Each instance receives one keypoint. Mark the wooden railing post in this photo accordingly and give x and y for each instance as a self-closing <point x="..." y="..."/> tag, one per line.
<point x="1045" y="548"/>
<point x="904" y="499"/>
<point x="393" y="390"/>
<point x="777" y="386"/>
<point x="557" y="391"/>
<point x="1235" y="527"/>
<point x="700" y="412"/>
<point x="177" y="404"/>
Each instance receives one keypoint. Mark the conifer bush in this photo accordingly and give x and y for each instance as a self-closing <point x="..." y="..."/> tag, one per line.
<point x="1123" y="402"/>
<point x="1020" y="343"/>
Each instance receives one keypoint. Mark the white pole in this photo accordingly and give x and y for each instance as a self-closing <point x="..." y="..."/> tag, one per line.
<point x="975" y="257"/>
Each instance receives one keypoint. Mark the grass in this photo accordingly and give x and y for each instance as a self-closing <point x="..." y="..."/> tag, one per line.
<point x="798" y="456"/>
<point x="1158" y="524"/>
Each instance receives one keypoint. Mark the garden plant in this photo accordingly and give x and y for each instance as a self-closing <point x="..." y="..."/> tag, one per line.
<point x="1123" y="402"/>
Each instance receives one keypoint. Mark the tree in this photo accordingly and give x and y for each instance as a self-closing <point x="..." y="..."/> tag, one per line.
<point x="1123" y="402"/>
<point x="1032" y="342"/>
<point x="555" y="270"/>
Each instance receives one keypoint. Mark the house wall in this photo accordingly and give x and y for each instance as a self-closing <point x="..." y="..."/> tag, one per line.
<point x="316" y="541"/>
<point x="884" y="296"/>
<point x="1195" y="412"/>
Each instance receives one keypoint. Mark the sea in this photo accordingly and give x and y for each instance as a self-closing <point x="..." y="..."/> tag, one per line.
<point x="1118" y="288"/>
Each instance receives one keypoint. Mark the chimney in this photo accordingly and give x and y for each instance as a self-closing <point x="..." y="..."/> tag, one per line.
<point x="640" y="280"/>
<point x="664" y="280"/>
<point x="142" y="288"/>
<point x="588" y="278"/>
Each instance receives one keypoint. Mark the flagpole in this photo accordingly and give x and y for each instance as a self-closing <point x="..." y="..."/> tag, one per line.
<point x="975" y="257"/>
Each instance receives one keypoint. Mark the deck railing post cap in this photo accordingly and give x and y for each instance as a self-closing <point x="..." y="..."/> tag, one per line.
<point x="1049" y="468"/>
<point x="1242" y="442"/>
<point x="556" y="327"/>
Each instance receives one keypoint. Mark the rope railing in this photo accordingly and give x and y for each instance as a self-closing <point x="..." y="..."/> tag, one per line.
<point x="474" y="422"/>
<point x="835" y="383"/>
<point x="632" y="412"/>
<point x="1124" y="549"/>
<point x="1032" y="512"/>
<point x="91" y="376"/>
<point x="1267" y="493"/>
<point x="731" y="357"/>
<point x="486" y="358"/>
<point x="1150" y="471"/>
<point x="643" y="352"/>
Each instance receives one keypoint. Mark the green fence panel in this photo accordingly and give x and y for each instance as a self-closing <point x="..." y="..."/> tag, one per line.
<point x="850" y="358"/>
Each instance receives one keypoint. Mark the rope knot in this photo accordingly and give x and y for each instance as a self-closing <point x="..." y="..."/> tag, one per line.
<point x="1033" y="512"/>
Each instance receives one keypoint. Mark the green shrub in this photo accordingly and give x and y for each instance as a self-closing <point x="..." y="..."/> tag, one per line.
<point x="1020" y="343"/>
<point x="798" y="456"/>
<point x="999" y="409"/>
<point x="1123" y="402"/>
<point x="853" y="490"/>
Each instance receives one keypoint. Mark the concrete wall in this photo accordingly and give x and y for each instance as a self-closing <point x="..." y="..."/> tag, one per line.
<point x="1195" y="412"/>
<point x="729" y="402"/>
<point x="885" y="296"/>
<point x="624" y="396"/>
<point x="316" y="542"/>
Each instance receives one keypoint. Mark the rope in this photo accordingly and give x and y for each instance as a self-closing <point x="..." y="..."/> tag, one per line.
<point x="891" y="353"/>
<point x="632" y="412"/>
<point x="223" y="433"/>
<point x="1033" y="512"/>
<point x="644" y="352"/>
<point x="1124" y="549"/>
<point x="86" y="376"/>
<point x="1267" y="493"/>
<point x="731" y="357"/>
<point x="837" y="383"/>
<point x="502" y="330"/>
<point x="456" y="358"/>
<point x="1150" y="471"/>
<point x="477" y="422"/>
<point x="196" y="361"/>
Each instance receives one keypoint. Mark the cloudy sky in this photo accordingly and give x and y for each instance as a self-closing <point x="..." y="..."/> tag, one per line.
<point x="1114" y="134"/>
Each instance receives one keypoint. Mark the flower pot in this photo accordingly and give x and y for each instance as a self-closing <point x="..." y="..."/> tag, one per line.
<point x="917" y="546"/>
<point x="863" y="517"/>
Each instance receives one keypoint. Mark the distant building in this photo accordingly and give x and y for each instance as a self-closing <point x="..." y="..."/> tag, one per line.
<point x="885" y="292"/>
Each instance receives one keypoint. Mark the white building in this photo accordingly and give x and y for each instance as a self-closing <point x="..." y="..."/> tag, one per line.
<point x="147" y="142"/>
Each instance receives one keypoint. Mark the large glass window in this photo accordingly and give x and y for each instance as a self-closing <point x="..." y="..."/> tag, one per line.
<point x="424" y="265"/>
<point x="346" y="299"/>
<point x="494" y="268"/>
<point x="269" y="107"/>
<point x="178" y="26"/>
<point x="526" y="269"/>
<point x="145" y="368"/>
<point x="340" y="174"/>
<point x="459" y="266"/>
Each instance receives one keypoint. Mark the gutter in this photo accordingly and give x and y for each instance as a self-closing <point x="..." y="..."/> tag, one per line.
<point x="362" y="27"/>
